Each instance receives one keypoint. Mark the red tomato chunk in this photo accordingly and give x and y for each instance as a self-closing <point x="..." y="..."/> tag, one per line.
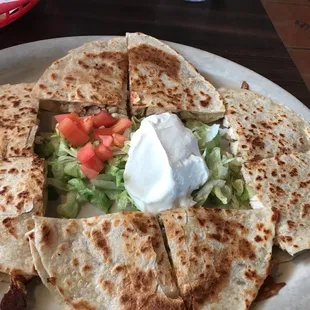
<point x="106" y="140"/>
<point x="105" y="119"/>
<point x="103" y="152"/>
<point x="60" y="117"/>
<point x="103" y="132"/>
<point x="94" y="163"/>
<point x="121" y="126"/>
<point x="86" y="123"/>
<point x="88" y="172"/>
<point x="119" y="140"/>
<point x="85" y="153"/>
<point x="72" y="132"/>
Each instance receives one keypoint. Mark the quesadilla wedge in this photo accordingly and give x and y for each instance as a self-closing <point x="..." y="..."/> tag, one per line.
<point x="90" y="78"/>
<point x="21" y="187"/>
<point x="15" y="256"/>
<point x="261" y="128"/>
<point x="115" y="261"/>
<point x="283" y="182"/>
<point x="161" y="80"/>
<point x="18" y="120"/>
<point x="220" y="257"/>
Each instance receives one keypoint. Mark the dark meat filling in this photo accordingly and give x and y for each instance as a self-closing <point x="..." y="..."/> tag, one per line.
<point x="16" y="297"/>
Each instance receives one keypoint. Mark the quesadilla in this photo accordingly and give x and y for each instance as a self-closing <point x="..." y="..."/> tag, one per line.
<point x="18" y="120"/>
<point x="261" y="128"/>
<point x="15" y="256"/>
<point x="283" y="182"/>
<point x="115" y="261"/>
<point x="220" y="257"/>
<point x="90" y="78"/>
<point x="21" y="188"/>
<point x="21" y="185"/>
<point x="161" y="80"/>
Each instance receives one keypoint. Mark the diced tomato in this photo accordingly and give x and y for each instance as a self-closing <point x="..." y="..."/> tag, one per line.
<point x="105" y="119"/>
<point x="89" y="173"/>
<point x="72" y="132"/>
<point x="103" y="132"/>
<point x="86" y="123"/>
<point x="121" y="125"/>
<point x="106" y="140"/>
<point x="119" y="140"/>
<point x="60" y="117"/>
<point x="94" y="163"/>
<point x="85" y="153"/>
<point x="103" y="152"/>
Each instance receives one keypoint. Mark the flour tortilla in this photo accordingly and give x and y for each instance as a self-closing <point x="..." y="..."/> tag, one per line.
<point x="261" y="128"/>
<point x="115" y="261"/>
<point x="94" y="74"/>
<point x="21" y="186"/>
<point x="162" y="80"/>
<point x="220" y="257"/>
<point x="284" y="183"/>
<point x="18" y="120"/>
<point x="15" y="256"/>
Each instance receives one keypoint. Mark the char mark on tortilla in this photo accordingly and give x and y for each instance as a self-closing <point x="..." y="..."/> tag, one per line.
<point x="94" y="74"/>
<point x="161" y="80"/>
<point x="210" y="247"/>
<point x="18" y="120"/>
<point x="283" y="183"/>
<point x="261" y="128"/>
<point x="121" y="256"/>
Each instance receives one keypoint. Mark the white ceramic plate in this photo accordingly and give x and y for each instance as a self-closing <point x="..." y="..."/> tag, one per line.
<point x="25" y="63"/>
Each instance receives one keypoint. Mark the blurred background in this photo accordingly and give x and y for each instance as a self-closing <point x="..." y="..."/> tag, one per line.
<point x="291" y="18"/>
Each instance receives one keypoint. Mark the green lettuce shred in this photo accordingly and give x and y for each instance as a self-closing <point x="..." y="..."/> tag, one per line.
<point x="125" y="202"/>
<point x="208" y="137"/>
<point x="225" y="186"/>
<point x="136" y="122"/>
<point x="65" y="175"/>
<point x="70" y="207"/>
<point x="203" y="193"/>
<point x="90" y="193"/>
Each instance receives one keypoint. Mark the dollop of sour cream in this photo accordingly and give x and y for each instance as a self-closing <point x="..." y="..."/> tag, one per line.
<point x="164" y="164"/>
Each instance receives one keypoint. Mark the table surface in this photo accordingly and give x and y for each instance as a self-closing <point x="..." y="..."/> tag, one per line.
<point x="239" y="30"/>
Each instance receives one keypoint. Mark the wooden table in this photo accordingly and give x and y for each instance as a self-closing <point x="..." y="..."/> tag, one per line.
<point x="239" y="30"/>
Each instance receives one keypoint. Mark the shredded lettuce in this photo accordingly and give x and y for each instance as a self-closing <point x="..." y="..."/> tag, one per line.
<point x="225" y="186"/>
<point x="125" y="202"/>
<point x="208" y="137"/>
<point x="59" y="184"/>
<point x="203" y="193"/>
<point x="70" y="207"/>
<point x="109" y="185"/>
<point x="136" y="122"/>
<point x="66" y="176"/>
<point x="91" y="194"/>
<point x="238" y="186"/>
<point x="217" y="169"/>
